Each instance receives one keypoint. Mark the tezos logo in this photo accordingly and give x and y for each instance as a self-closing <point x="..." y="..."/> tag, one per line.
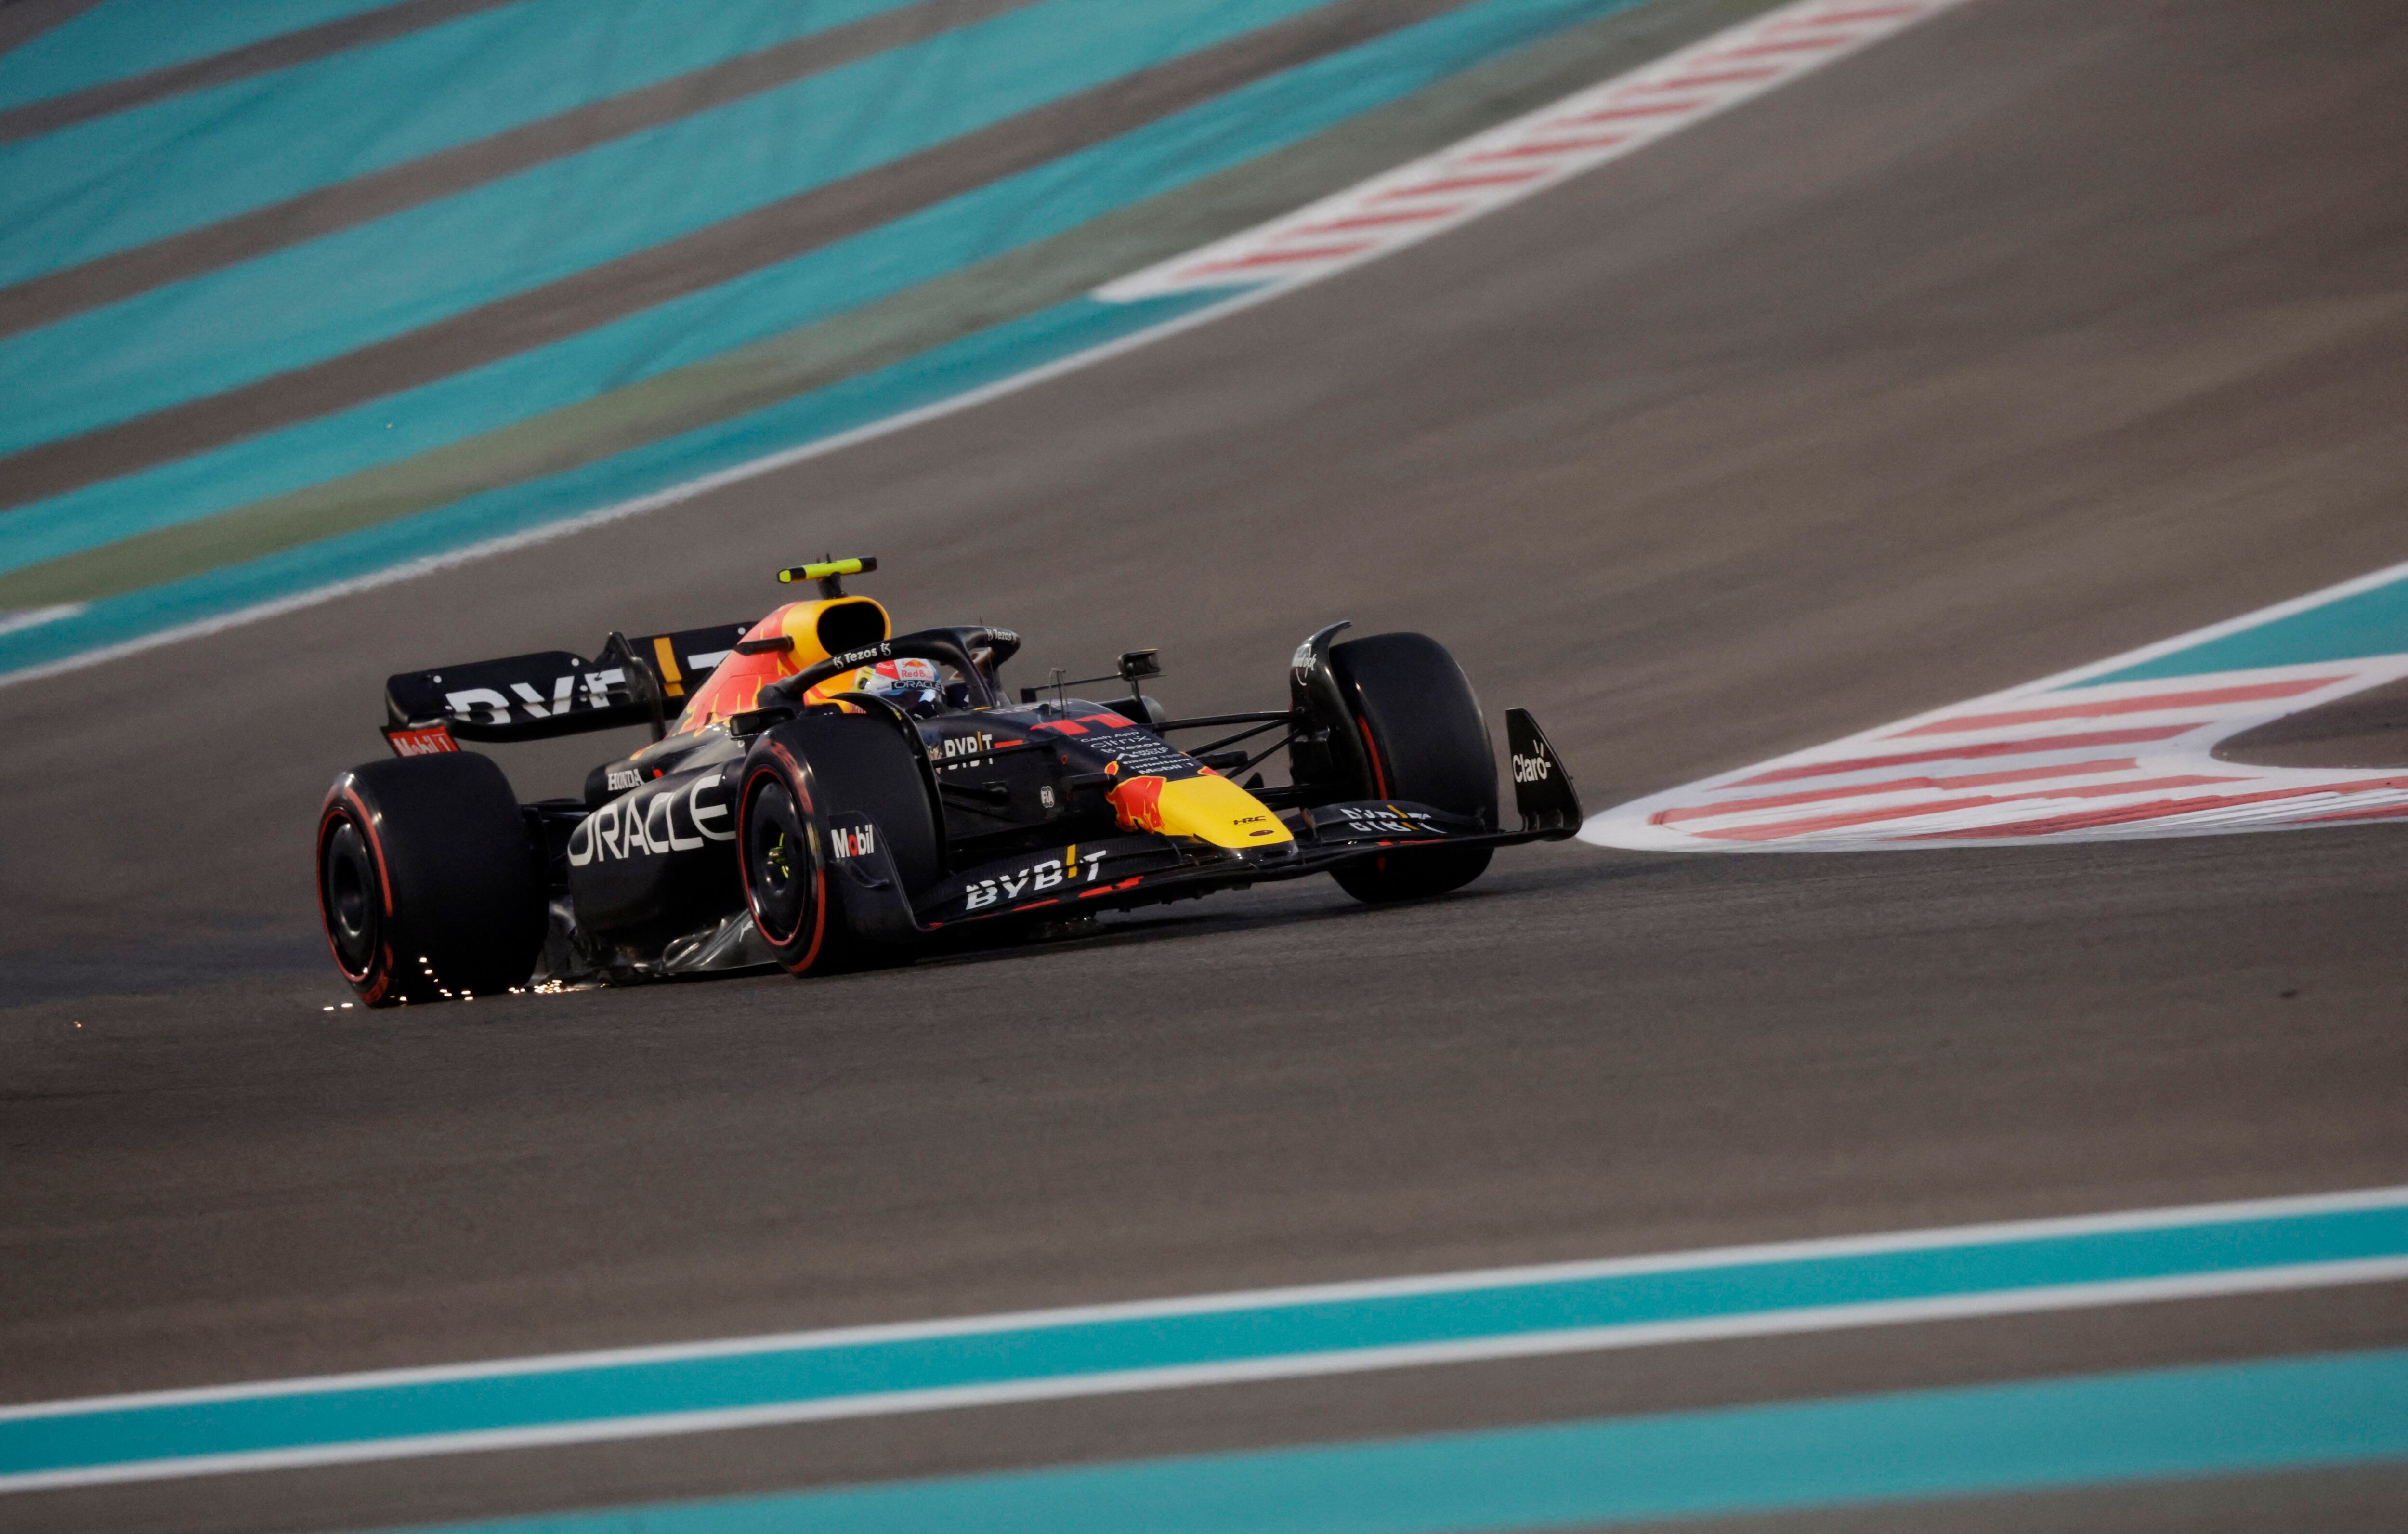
<point x="1531" y="769"/>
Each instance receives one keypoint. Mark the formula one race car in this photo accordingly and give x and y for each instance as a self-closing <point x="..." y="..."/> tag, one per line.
<point x="830" y="796"/>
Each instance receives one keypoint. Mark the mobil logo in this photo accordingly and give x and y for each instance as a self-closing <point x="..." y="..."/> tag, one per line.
<point x="1138" y="803"/>
<point x="851" y="841"/>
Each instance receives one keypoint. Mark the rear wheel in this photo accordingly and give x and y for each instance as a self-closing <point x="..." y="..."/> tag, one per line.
<point x="803" y="783"/>
<point x="1424" y="741"/>
<point x="429" y="881"/>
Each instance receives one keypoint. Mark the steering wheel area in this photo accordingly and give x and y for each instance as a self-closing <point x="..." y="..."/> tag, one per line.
<point x="974" y="653"/>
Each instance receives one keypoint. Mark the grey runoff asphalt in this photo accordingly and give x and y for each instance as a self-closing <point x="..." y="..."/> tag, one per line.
<point x="2036" y="333"/>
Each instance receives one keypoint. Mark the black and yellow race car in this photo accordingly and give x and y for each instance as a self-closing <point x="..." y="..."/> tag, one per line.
<point x="822" y="793"/>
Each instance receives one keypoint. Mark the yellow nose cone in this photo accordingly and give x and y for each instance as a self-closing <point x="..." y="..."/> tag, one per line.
<point x="1213" y="810"/>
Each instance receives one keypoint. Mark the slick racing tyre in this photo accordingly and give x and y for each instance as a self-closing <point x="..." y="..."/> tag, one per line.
<point x="429" y="881"/>
<point x="1423" y="740"/>
<point x="808" y="783"/>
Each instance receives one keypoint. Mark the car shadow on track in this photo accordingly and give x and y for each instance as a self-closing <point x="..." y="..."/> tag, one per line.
<point x="1306" y="904"/>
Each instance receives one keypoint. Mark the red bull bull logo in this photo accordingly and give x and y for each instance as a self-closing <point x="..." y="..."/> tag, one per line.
<point x="1138" y="803"/>
<point x="1207" y="807"/>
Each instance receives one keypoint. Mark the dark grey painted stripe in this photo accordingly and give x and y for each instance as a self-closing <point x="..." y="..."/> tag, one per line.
<point x="709" y="256"/>
<point x="23" y="20"/>
<point x="278" y="52"/>
<point x="237" y="239"/>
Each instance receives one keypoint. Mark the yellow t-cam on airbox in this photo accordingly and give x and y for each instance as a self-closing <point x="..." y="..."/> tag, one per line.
<point x="833" y="624"/>
<point x="830" y="574"/>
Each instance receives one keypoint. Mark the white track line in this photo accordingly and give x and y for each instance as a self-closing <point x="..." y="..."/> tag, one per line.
<point x="1930" y="1238"/>
<point x="2028" y="1300"/>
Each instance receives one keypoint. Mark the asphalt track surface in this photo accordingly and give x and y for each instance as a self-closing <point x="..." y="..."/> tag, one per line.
<point x="2040" y="332"/>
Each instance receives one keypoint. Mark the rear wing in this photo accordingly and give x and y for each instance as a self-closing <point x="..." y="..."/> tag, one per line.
<point x="552" y="692"/>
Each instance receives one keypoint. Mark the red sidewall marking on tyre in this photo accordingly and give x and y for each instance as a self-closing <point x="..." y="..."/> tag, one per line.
<point x="795" y="785"/>
<point x="1371" y="749"/>
<point x="326" y="822"/>
<point x="340" y="801"/>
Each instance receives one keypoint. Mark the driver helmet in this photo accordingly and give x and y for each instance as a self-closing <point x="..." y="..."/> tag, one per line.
<point x="914" y="684"/>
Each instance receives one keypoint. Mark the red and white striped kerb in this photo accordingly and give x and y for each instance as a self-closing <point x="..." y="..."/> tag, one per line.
<point x="1531" y="153"/>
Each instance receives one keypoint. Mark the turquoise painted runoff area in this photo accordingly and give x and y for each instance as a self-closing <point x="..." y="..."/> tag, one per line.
<point x="1266" y="115"/>
<point x="121" y="38"/>
<point x="367" y="284"/>
<point x="141" y="175"/>
<point x="779" y="1375"/>
<point x="941" y="373"/>
<point x="2147" y="1426"/>
<point x="2373" y="621"/>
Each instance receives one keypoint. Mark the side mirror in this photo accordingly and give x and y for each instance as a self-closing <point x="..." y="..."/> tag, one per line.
<point x="1136" y="665"/>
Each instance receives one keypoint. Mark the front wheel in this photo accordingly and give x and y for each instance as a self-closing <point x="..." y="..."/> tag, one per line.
<point x="1423" y="740"/>
<point x="812" y="879"/>
<point x="785" y="866"/>
<point x="429" y="881"/>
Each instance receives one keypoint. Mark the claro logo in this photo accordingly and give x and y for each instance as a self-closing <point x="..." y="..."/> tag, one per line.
<point x="1532" y="770"/>
<point x="676" y="818"/>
